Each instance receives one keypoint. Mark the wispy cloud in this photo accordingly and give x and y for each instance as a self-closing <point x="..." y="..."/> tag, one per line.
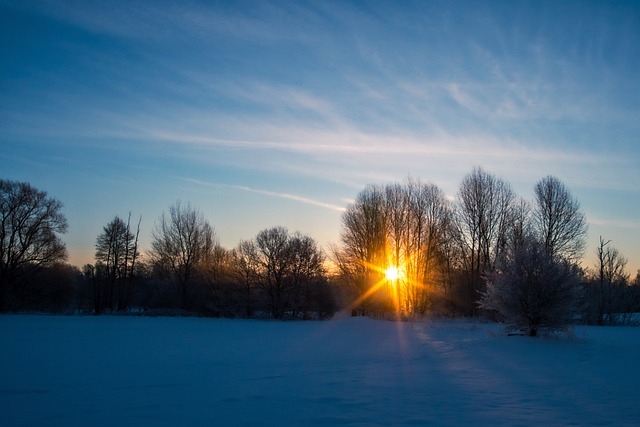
<point x="354" y="159"/>
<point x="288" y="196"/>
<point x="281" y="195"/>
<point x="614" y="223"/>
<point x="171" y="21"/>
<point x="310" y="140"/>
<point x="336" y="94"/>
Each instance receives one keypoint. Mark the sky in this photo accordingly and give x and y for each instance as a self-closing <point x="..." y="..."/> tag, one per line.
<point x="279" y="113"/>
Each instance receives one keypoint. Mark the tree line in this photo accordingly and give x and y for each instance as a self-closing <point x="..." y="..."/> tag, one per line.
<point x="277" y="274"/>
<point x="487" y="251"/>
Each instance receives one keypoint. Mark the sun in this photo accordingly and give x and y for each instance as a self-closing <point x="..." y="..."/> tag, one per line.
<point x="392" y="273"/>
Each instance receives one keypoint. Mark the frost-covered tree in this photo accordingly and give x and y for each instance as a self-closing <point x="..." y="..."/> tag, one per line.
<point x="532" y="289"/>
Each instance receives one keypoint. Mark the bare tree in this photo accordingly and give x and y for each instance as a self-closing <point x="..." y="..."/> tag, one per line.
<point x="397" y="224"/>
<point x="215" y="272"/>
<point x="290" y="272"/>
<point x="534" y="282"/>
<point x="558" y="219"/>
<point x="363" y="244"/>
<point x="607" y="290"/>
<point x="245" y="268"/>
<point x="275" y="261"/>
<point x="116" y="256"/>
<point x="520" y="223"/>
<point x="181" y="242"/>
<point x="404" y="226"/>
<point x="30" y="223"/>
<point x="426" y="258"/>
<point x="483" y="213"/>
<point x="533" y="289"/>
<point x="307" y="274"/>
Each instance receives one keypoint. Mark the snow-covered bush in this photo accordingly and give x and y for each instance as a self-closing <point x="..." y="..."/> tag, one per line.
<point x="532" y="289"/>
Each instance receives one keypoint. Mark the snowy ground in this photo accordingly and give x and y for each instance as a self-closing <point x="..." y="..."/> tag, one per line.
<point x="120" y="371"/>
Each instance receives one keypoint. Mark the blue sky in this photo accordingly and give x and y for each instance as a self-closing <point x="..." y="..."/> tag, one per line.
<point x="279" y="113"/>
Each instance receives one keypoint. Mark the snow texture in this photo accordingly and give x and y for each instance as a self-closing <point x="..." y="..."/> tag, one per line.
<point x="130" y="371"/>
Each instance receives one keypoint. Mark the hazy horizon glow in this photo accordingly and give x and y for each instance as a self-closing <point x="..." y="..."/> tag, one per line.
<point x="278" y="113"/>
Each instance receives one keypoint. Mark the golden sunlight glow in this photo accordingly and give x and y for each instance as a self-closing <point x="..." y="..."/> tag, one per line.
<point x="392" y="273"/>
<point x="393" y="285"/>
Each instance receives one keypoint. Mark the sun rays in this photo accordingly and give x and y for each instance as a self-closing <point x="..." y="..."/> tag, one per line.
<point x="393" y="288"/>
<point x="392" y="273"/>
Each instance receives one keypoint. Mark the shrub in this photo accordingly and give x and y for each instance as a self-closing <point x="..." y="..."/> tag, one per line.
<point x="532" y="289"/>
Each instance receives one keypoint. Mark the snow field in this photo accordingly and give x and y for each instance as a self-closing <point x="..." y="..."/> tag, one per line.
<point x="106" y="371"/>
